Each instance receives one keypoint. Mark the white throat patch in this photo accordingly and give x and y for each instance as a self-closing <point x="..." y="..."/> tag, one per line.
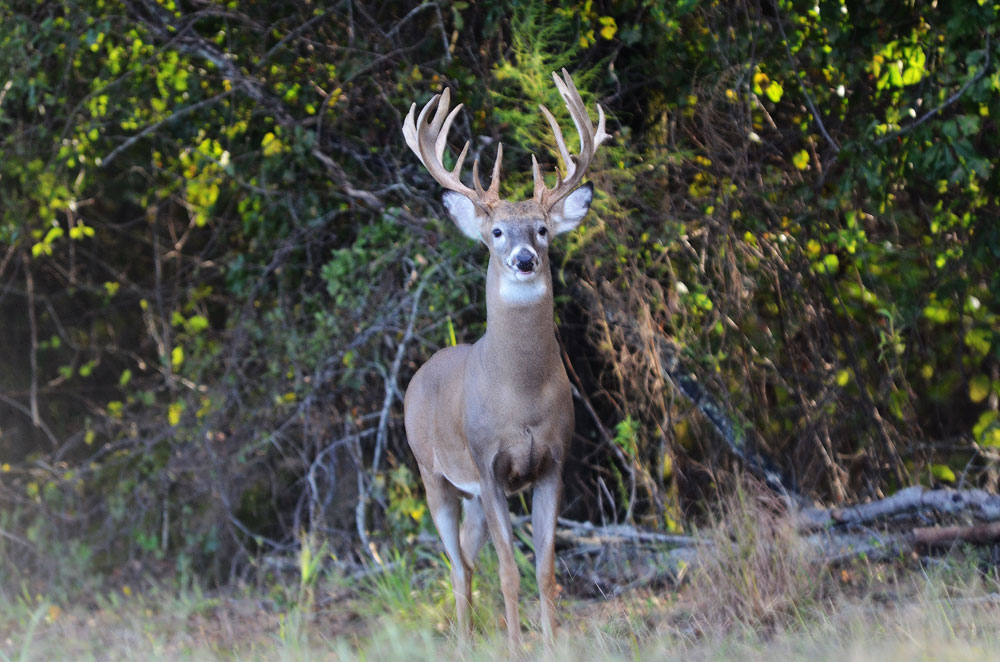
<point x="522" y="293"/>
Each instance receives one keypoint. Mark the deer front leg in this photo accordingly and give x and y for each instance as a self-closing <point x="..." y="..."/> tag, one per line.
<point x="544" y="511"/>
<point x="498" y="520"/>
<point x="443" y="502"/>
<point x="474" y="531"/>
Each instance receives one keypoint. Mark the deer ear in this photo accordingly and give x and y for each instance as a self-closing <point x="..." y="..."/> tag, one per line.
<point x="568" y="212"/>
<point x="465" y="214"/>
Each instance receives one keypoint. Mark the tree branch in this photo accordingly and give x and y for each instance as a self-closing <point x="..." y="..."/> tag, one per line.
<point x="187" y="110"/>
<point x="805" y="91"/>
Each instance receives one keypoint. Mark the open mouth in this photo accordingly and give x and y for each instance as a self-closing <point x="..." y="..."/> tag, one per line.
<point x="521" y="274"/>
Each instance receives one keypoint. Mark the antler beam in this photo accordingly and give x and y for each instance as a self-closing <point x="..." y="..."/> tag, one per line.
<point x="428" y="140"/>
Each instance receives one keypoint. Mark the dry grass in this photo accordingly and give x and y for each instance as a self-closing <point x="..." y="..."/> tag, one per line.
<point x="926" y="628"/>
<point x="758" y="573"/>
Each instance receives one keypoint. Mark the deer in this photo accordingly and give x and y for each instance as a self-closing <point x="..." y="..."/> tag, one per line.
<point x="487" y="420"/>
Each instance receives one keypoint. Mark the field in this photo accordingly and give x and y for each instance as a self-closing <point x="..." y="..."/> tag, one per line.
<point x="931" y="619"/>
<point x="753" y="595"/>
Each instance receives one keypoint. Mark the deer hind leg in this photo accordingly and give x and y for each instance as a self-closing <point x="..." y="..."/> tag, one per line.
<point x="443" y="502"/>
<point x="544" y="511"/>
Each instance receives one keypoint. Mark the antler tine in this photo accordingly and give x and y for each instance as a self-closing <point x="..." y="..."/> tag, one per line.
<point x="599" y="135"/>
<point x="442" y="133"/>
<point x="590" y="140"/>
<point x="410" y="128"/>
<point x="428" y="140"/>
<point x="577" y="111"/>
<point x="491" y="195"/>
<point x="560" y="141"/>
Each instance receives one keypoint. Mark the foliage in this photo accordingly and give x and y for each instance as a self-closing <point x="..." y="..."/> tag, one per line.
<point x="219" y="265"/>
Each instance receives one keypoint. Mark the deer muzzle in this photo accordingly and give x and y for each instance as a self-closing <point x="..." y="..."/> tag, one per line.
<point x="525" y="260"/>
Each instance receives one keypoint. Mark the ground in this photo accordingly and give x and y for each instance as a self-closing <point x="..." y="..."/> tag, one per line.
<point x="881" y="613"/>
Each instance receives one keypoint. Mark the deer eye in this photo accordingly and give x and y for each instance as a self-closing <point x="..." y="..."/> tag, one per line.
<point x="542" y="231"/>
<point x="497" y="232"/>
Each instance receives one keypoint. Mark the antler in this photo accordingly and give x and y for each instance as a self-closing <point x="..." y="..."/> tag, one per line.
<point x="428" y="140"/>
<point x="590" y="140"/>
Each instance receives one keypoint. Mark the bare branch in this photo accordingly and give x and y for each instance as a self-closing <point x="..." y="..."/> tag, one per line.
<point x="391" y="378"/>
<point x="187" y="110"/>
<point x="27" y="412"/>
<point x="805" y="90"/>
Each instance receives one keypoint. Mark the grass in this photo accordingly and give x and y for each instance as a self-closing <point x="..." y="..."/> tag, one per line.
<point x="757" y="597"/>
<point x="934" y="622"/>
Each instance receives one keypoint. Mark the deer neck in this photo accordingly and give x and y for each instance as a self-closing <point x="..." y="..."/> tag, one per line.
<point x="520" y="342"/>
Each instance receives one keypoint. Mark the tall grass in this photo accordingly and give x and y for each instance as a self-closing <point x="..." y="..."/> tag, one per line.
<point x="757" y="573"/>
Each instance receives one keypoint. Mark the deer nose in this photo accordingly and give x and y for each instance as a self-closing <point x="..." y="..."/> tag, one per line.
<point x="525" y="260"/>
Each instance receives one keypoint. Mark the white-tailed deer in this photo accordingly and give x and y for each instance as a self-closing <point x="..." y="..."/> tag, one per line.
<point x="487" y="420"/>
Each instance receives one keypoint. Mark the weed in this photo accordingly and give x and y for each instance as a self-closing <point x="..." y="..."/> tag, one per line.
<point x="757" y="572"/>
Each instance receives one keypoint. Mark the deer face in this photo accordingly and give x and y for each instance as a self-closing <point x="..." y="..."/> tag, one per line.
<point x="517" y="234"/>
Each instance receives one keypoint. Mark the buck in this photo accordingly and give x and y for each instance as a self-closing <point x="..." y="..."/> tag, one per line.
<point x="487" y="420"/>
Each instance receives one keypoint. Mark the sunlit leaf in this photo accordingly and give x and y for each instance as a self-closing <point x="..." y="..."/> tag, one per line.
<point x="609" y="27"/>
<point x="943" y="473"/>
<point x="177" y="357"/>
<point x="979" y="388"/>
<point x="774" y="91"/>
<point x="174" y="412"/>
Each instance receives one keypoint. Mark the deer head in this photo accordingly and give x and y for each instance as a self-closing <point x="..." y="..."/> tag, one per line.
<point x="517" y="234"/>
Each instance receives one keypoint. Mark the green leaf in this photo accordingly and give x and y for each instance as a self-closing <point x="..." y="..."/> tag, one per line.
<point x="53" y="234"/>
<point x="987" y="429"/>
<point x="801" y="159"/>
<point x="979" y="341"/>
<point x="915" y="60"/>
<point x="197" y="323"/>
<point x="979" y="388"/>
<point x="609" y="29"/>
<point x="830" y="264"/>
<point x="177" y="357"/>
<point x="943" y="473"/>
<point x="174" y="413"/>
<point x="939" y="313"/>
<point x="843" y="377"/>
<point x="774" y="91"/>
<point x="626" y="435"/>
<point x="703" y="301"/>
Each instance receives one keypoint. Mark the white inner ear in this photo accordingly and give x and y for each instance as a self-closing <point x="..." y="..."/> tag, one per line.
<point x="465" y="214"/>
<point x="568" y="213"/>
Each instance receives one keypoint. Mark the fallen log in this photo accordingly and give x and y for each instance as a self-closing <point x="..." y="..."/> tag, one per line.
<point x="979" y="534"/>
<point x="920" y="501"/>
